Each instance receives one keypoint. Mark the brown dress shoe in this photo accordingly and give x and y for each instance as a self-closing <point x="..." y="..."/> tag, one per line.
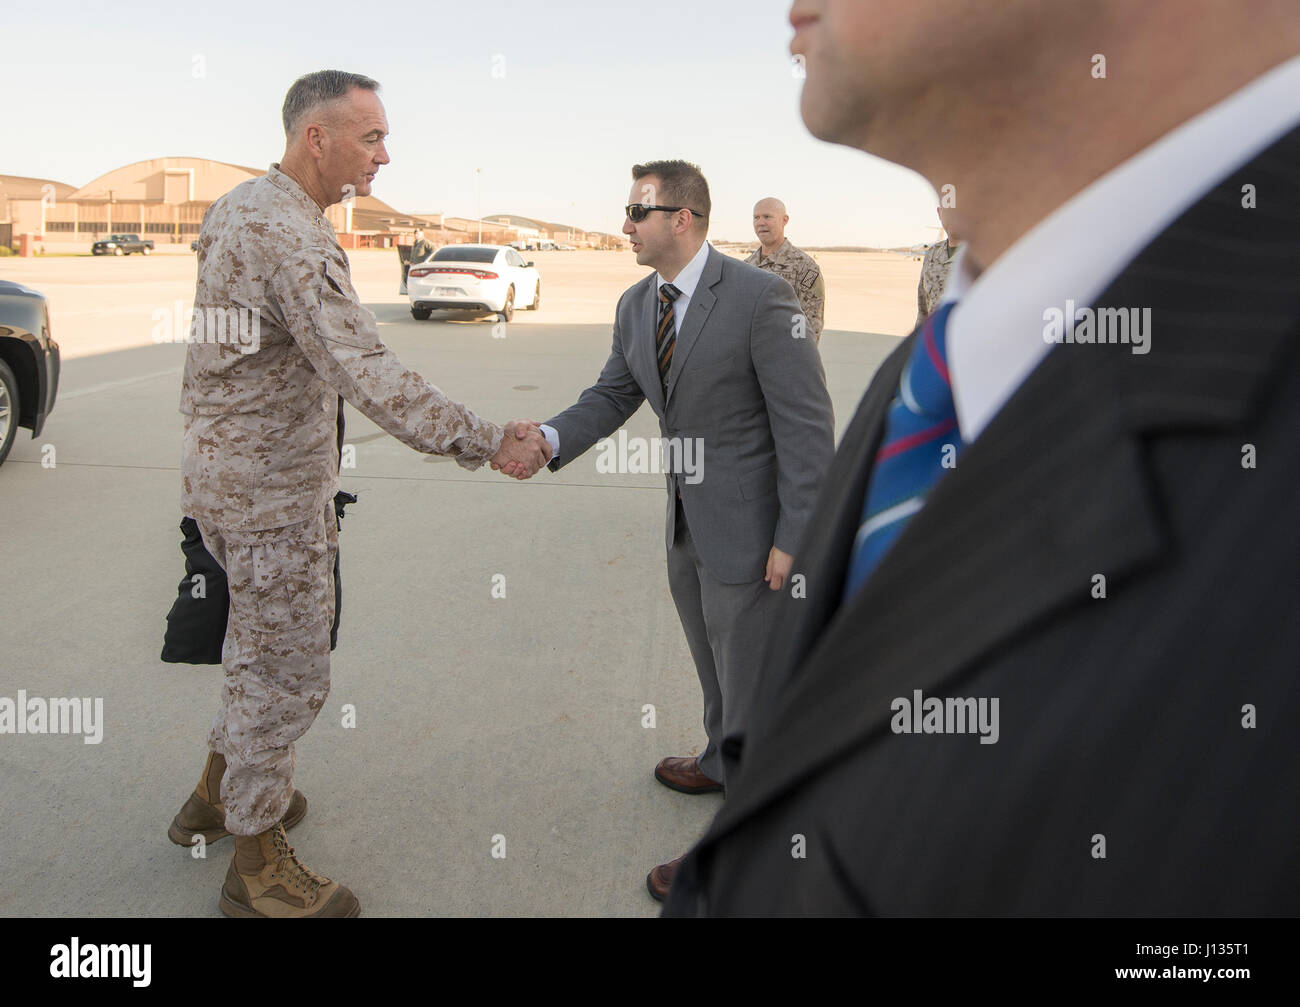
<point x="683" y="773"/>
<point x="660" y="879"/>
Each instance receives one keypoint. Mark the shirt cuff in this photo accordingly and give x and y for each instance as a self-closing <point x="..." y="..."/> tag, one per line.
<point x="552" y="438"/>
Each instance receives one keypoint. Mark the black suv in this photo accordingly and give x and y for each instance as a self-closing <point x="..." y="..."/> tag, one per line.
<point x="29" y="363"/>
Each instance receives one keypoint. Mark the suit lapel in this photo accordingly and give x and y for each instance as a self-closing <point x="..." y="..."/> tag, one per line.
<point x="1054" y="492"/>
<point x="1011" y="535"/>
<point x="697" y="313"/>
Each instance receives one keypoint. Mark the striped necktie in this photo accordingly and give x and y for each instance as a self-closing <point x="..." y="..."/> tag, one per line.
<point x="921" y="443"/>
<point x="666" y="332"/>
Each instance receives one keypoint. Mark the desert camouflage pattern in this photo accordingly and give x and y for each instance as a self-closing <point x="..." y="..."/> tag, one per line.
<point x="801" y="271"/>
<point x="934" y="274"/>
<point x="259" y="446"/>
<point x="276" y="658"/>
<point x="260" y="461"/>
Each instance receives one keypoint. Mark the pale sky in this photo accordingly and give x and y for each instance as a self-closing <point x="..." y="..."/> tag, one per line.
<point x="583" y="89"/>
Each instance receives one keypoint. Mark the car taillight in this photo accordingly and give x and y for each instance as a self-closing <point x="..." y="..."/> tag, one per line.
<point x="478" y="274"/>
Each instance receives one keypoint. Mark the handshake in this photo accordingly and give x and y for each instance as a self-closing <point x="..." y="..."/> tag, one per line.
<point x="523" y="450"/>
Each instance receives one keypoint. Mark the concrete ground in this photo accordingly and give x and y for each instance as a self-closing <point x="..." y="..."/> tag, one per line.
<point x="475" y="718"/>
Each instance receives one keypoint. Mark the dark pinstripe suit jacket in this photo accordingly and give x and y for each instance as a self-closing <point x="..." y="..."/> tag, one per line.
<point x="1124" y="719"/>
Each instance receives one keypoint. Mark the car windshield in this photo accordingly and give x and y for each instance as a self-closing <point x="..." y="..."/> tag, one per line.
<point x="451" y="253"/>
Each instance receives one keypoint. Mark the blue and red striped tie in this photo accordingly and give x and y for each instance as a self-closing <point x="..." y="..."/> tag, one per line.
<point x="921" y="443"/>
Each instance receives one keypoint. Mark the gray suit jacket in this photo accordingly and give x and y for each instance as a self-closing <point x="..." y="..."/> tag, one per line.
<point x="741" y="382"/>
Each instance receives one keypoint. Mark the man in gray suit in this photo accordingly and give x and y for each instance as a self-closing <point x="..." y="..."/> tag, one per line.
<point x="720" y="351"/>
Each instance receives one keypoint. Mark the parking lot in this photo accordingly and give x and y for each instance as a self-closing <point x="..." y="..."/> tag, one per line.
<point x="475" y="716"/>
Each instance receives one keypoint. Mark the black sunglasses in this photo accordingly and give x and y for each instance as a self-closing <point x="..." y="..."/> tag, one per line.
<point x="637" y="212"/>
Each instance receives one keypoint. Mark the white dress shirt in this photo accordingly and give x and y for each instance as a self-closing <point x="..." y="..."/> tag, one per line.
<point x="686" y="281"/>
<point x="995" y="334"/>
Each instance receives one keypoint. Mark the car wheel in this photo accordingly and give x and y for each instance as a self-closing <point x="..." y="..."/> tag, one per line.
<point x="146" y="251"/>
<point x="537" y="297"/>
<point x="507" y="311"/>
<point x="118" y="251"/>
<point x="9" y="409"/>
<point x="420" y="314"/>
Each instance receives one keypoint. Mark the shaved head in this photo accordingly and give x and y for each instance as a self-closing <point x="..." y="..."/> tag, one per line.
<point x="770" y="219"/>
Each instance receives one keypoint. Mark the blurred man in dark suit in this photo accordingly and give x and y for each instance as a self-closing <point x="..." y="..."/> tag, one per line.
<point x="1047" y="661"/>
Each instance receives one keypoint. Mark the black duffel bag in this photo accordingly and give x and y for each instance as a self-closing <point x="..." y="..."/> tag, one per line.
<point x="196" y="626"/>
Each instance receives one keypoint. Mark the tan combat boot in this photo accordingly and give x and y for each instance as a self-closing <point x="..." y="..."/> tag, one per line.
<point x="267" y="879"/>
<point x="204" y="814"/>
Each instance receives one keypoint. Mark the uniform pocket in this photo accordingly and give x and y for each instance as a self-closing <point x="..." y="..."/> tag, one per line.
<point x="289" y="579"/>
<point x="341" y="319"/>
<point x="269" y="588"/>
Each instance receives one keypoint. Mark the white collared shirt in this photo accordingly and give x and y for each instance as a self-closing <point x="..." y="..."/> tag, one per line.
<point x="686" y="281"/>
<point x="995" y="334"/>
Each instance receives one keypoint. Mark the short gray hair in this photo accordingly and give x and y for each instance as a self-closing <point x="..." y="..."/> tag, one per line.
<point x="315" y="89"/>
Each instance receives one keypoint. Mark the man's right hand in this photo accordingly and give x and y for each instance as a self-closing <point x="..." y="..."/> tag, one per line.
<point x="523" y="450"/>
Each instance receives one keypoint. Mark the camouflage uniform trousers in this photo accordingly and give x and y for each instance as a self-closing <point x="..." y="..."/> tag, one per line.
<point x="276" y="657"/>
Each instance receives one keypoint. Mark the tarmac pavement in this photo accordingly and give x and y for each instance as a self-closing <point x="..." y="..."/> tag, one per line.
<point x="476" y="717"/>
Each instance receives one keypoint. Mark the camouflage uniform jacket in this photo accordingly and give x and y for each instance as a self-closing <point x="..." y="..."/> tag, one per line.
<point x="934" y="274"/>
<point x="260" y="448"/>
<point x="801" y="271"/>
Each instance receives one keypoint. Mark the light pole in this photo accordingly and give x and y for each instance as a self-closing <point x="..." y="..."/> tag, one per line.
<point x="478" y="192"/>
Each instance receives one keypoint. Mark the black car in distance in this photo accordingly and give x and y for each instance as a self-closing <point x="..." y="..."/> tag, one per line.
<point x="29" y="363"/>
<point x="122" y="244"/>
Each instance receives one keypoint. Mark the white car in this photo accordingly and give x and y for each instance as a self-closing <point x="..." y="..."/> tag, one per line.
<point x="486" y="278"/>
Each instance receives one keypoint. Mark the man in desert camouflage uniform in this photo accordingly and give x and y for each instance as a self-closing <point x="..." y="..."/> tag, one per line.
<point x="935" y="267"/>
<point x="279" y="336"/>
<point x="799" y="269"/>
